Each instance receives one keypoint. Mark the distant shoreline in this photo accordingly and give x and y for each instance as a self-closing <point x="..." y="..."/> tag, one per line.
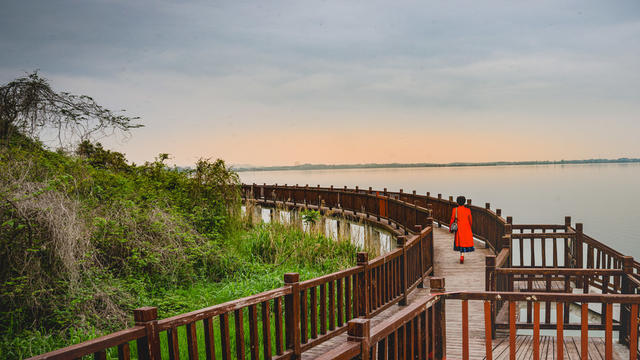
<point x="431" y="165"/>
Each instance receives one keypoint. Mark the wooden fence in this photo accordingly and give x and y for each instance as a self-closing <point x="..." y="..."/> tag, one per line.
<point x="284" y="322"/>
<point x="418" y="331"/>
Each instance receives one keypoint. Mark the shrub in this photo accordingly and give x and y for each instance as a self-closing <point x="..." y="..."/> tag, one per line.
<point x="73" y="228"/>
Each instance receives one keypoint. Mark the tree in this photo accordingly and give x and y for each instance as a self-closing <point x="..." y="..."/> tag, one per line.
<point x="29" y="106"/>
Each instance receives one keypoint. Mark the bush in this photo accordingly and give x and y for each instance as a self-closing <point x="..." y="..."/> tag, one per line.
<point x="86" y="238"/>
<point x="72" y="228"/>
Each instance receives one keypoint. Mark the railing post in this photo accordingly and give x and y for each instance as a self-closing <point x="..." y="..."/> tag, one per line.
<point x="359" y="330"/>
<point x="439" y="319"/>
<point x="490" y="268"/>
<point x="490" y="285"/>
<point x="149" y="346"/>
<point x="567" y="223"/>
<point x="579" y="239"/>
<point x="292" y="314"/>
<point x="625" y="313"/>
<point x="402" y="241"/>
<point x="363" y="284"/>
<point x="378" y="206"/>
<point x="421" y="249"/>
<point x="438" y="220"/>
<point x="506" y="243"/>
<point x="430" y="243"/>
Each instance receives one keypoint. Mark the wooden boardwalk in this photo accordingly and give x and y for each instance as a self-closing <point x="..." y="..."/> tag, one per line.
<point x="460" y="277"/>
<point x="391" y="277"/>
<point x="470" y="276"/>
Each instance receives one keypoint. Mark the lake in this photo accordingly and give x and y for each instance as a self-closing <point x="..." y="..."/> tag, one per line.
<point x="605" y="197"/>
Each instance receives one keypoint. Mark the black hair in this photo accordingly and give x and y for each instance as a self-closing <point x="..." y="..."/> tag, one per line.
<point x="461" y="200"/>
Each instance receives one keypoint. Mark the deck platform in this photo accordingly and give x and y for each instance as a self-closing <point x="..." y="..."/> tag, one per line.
<point x="471" y="276"/>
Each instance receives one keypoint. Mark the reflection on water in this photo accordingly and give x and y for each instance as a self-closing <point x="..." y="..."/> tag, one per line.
<point x="605" y="197"/>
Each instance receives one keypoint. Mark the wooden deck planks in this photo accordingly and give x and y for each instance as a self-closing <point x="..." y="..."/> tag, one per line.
<point x="467" y="276"/>
<point x="548" y="348"/>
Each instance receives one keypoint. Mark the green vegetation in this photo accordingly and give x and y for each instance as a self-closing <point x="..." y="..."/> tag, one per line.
<point x="310" y="216"/>
<point x="87" y="237"/>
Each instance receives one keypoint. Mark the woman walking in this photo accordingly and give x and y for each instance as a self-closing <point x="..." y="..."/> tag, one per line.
<point x="461" y="226"/>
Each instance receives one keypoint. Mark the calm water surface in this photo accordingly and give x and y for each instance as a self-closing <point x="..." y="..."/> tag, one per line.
<point x="605" y="197"/>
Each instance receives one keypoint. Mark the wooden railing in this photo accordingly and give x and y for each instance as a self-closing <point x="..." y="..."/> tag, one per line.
<point x="403" y="210"/>
<point x="418" y="331"/>
<point x="561" y="301"/>
<point x="415" y="332"/>
<point x="284" y="322"/>
<point x="547" y="247"/>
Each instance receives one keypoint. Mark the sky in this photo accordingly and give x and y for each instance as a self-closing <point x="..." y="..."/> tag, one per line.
<point x="334" y="82"/>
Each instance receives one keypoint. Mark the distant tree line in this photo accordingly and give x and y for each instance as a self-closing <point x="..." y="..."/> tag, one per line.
<point x="418" y="165"/>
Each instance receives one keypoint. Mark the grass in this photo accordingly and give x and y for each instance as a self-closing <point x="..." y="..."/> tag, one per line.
<point x="266" y="252"/>
<point x="86" y="238"/>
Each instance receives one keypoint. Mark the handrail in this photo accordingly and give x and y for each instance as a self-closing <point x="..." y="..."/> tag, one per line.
<point x="562" y="271"/>
<point x="422" y="319"/>
<point x="218" y="309"/>
<point x="97" y="345"/>
<point x="502" y="257"/>
<point x="374" y="285"/>
<point x="416" y="331"/>
<point x="402" y="208"/>
<point x="300" y="309"/>
<point x="541" y="297"/>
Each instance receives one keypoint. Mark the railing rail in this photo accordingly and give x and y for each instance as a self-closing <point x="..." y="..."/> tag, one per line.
<point x="415" y="332"/>
<point x="284" y="322"/>
<point x="420" y="327"/>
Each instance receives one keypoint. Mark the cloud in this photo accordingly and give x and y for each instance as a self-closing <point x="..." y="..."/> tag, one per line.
<point x="218" y="72"/>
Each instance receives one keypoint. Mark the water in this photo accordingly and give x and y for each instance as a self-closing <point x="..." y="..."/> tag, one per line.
<point x="605" y="197"/>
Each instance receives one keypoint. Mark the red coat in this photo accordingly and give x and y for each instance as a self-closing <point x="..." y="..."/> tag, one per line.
<point x="464" y="236"/>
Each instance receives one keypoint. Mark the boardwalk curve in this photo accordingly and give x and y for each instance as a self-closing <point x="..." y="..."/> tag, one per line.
<point x="382" y="308"/>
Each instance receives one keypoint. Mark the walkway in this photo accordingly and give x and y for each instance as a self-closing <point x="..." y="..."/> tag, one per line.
<point x="470" y="276"/>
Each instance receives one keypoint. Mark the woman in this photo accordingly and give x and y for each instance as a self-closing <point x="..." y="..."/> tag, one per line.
<point x="463" y="241"/>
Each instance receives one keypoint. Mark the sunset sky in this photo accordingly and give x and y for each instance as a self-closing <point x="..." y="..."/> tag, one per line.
<point x="285" y="82"/>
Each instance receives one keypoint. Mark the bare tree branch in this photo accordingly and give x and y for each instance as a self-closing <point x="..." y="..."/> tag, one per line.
<point x="28" y="105"/>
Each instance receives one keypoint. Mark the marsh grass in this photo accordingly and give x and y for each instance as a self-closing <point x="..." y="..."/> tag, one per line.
<point x="85" y="239"/>
<point x="266" y="252"/>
